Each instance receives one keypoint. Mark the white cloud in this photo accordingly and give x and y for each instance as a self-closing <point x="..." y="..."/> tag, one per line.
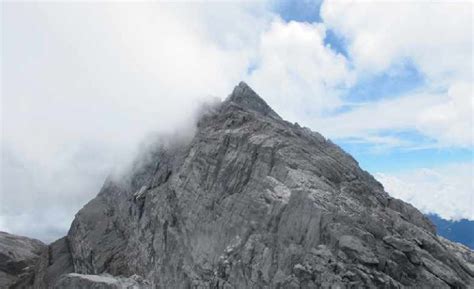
<point x="382" y="115"/>
<point x="297" y="73"/>
<point x="437" y="38"/>
<point x="446" y="190"/>
<point x="451" y="121"/>
<point x="445" y="117"/>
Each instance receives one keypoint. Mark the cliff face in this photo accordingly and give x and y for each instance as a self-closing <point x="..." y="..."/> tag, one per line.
<point x="253" y="201"/>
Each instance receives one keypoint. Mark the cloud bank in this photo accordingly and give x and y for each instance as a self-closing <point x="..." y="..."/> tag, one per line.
<point x="85" y="83"/>
<point x="445" y="190"/>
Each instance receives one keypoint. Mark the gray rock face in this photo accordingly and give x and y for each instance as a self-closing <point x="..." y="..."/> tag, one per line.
<point x="253" y="201"/>
<point x="28" y="263"/>
<point x="256" y="202"/>
<point x="59" y="261"/>
<point x="19" y="258"/>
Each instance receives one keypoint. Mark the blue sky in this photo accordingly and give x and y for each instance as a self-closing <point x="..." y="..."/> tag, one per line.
<point x="392" y="82"/>
<point x="300" y="11"/>
<point x="401" y="78"/>
<point x="395" y="94"/>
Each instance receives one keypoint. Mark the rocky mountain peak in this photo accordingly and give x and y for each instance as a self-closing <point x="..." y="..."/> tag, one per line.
<point x="250" y="202"/>
<point x="244" y="96"/>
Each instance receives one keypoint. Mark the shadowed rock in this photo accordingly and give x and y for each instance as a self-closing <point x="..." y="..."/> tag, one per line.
<point x="19" y="258"/>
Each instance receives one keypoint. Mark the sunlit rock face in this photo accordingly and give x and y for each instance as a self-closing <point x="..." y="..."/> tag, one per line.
<point x="253" y="201"/>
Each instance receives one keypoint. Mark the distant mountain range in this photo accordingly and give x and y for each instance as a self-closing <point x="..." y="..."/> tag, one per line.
<point x="461" y="231"/>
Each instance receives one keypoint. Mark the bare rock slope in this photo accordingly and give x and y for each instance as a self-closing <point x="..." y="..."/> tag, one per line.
<point x="253" y="201"/>
<point x="28" y="263"/>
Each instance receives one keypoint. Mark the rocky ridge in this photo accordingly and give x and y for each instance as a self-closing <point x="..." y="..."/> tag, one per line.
<point x="252" y="201"/>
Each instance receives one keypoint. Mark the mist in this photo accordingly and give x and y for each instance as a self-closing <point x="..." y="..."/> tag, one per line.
<point x="86" y="87"/>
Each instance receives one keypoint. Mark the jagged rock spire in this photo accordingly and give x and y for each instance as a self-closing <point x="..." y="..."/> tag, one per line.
<point x="246" y="97"/>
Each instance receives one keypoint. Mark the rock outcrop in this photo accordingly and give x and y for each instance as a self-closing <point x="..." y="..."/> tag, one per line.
<point x="19" y="259"/>
<point x="29" y="263"/>
<point x="253" y="201"/>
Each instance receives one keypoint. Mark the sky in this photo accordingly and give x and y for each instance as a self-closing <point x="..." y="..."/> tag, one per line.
<point x="83" y="84"/>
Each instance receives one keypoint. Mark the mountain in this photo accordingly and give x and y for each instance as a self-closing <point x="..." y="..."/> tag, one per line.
<point x="461" y="231"/>
<point x="251" y="201"/>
